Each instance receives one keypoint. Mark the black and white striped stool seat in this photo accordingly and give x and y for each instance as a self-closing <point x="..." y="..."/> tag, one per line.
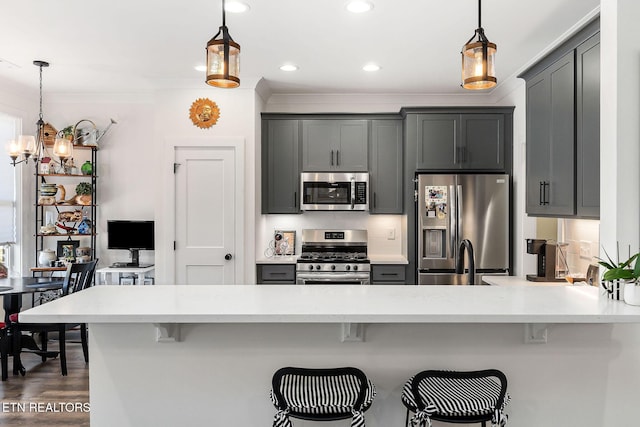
<point x="315" y="394"/>
<point x="452" y="395"/>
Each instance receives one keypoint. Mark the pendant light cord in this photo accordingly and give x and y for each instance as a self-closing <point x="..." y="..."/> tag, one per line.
<point x="40" y="91"/>
<point x="479" y="13"/>
<point x="224" y="24"/>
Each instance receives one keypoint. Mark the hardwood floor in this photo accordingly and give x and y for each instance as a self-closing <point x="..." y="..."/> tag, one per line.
<point x="43" y="397"/>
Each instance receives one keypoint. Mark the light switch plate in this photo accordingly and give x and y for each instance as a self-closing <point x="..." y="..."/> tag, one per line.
<point x="391" y="234"/>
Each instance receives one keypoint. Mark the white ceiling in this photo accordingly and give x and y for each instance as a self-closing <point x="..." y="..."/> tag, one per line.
<point x="139" y="45"/>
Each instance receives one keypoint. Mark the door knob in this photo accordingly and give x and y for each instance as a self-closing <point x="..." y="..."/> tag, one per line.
<point x="228" y="257"/>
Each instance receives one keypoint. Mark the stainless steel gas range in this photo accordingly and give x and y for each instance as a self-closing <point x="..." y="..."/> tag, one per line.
<point x="333" y="257"/>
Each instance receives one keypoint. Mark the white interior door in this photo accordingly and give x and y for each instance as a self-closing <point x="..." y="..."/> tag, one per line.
<point x="205" y="192"/>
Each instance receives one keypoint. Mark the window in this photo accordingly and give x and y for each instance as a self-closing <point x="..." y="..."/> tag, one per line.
<point x="8" y="131"/>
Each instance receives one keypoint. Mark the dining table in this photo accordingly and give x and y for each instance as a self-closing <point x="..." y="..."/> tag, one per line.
<point x="12" y="289"/>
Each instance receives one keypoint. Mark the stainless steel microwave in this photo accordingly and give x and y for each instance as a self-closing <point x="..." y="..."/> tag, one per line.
<point x="340" y="191"/>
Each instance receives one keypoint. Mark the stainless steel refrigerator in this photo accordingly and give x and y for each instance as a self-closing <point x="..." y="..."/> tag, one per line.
<point x="456" y="207"/>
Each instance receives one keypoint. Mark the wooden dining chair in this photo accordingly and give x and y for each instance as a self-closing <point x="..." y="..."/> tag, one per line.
<point x="78" y="276"/>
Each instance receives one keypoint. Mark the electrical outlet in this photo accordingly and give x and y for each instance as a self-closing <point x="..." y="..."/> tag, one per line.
<point x="391" y="234"/>
<point x="585" y="249"/>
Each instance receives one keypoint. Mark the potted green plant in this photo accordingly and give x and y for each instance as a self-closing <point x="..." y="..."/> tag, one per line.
<point x="84" y="190"/>
<point x="621" y="280"/>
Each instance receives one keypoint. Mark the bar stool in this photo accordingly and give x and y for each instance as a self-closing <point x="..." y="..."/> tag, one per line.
<point x="321" y="395"/>
<point x="456" y="397"/>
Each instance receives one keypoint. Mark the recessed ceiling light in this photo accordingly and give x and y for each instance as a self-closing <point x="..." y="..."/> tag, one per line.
<point x="359" y="6"/>
<point x="200" y="68"/>
<point x="371" y="67"/>
<point x="288" y="67"/>
<point x="236" y="7"/>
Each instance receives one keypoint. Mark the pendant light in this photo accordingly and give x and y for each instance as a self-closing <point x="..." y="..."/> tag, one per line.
<point x="27" y="145"/>
<point x="223" y="58"/>
<point x="478" y="60"/>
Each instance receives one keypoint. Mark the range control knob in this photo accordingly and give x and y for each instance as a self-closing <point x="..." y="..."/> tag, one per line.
<point x="333" y="267"/>
<point x="310" y="267"/>
<point x="355" y="267"/>
<point x="348" y="267"/>
<point x="318" y="267"/>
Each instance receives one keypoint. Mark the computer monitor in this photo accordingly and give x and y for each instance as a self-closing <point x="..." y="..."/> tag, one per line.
<point x="133" y="236"/>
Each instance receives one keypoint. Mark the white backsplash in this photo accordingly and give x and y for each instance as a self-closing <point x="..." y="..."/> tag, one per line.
<point x="385" y="232"/>
<point x="583" y="237"/>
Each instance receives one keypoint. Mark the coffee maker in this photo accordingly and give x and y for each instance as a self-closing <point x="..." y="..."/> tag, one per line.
<point x="548" y="261"/>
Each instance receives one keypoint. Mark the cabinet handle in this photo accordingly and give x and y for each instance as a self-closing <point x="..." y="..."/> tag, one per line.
<point x="337" y="157"/>
<point x="546" y="185"/>
<point x="540" y="201"/>
<point x="374" y="199"/>
<point x="388" y="274"/>
<point x="331" y="157"/>
<point x="295" y="199"/>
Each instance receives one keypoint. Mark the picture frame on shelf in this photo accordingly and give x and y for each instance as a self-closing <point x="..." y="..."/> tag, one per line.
<point x="284" y="242"/>
<point x="66" y="249"/>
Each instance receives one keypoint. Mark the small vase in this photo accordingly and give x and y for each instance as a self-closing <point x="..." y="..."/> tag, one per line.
<point x="45" y="257"/>
<point x="632" y="293"/>
<point x="612" y="289"/>
<point x="86" y="168"/>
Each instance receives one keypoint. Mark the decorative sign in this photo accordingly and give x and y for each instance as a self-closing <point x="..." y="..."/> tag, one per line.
<point x="204" y="113"/>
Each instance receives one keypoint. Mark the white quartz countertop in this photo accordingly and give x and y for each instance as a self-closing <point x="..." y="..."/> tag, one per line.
<point x="388" y="259"/>
<point x="334" y="304"/>
<point x="278" y="259"/>
<point x="518" y="281"/>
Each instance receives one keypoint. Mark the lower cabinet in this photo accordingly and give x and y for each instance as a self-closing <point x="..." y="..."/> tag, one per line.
<point x="276" y="274"/>
<point x="388" y="274"/>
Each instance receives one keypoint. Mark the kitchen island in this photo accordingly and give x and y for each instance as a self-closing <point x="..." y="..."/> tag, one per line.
<point x="159" y="353"/>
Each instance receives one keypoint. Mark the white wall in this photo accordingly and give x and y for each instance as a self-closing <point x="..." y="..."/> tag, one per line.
<point x="619" y="129"/>
<point x="135" y="158"/>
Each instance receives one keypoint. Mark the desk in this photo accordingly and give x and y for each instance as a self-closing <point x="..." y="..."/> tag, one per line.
<point x="105" y="273"/>
<point x="12" y="290"/>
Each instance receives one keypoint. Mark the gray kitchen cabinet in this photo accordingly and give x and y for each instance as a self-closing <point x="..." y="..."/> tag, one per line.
<point x="461" y="141"/>
<point x="437" y="139"/>
<point x="385" y="171"/>
<point x="388" y="274"/>
<point x="550" y="140"/>
<point x="588" y="128"/>
<point x="563" y="129"/>
<point x="481" y="144"/>
<point x="334" y="145"/>
<point x="276" y="274"/>
<point x="280" y="166"/>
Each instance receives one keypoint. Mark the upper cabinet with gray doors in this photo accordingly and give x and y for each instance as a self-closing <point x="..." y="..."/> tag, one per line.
<point x="280" y="166"/>
<point x="385" y="167"/>
<point x="563" y="129"/>
<point x="460" y="139"/>
<point x="330" y="145"/>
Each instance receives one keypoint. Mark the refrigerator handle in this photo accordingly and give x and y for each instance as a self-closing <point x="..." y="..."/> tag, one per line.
<point x="453" y="222"/>
<point x="459" y="211"/>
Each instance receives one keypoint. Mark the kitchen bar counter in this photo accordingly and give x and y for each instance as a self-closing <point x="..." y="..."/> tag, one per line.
<point x="335" y="304"/>
<point x="203" y="350"/>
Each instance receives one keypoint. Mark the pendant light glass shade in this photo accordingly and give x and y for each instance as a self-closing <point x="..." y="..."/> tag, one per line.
<point x="63" y="149"/>
<point x="478" y="60"/>
<point x="223" y="58"/>
<point x="478" y="65"/>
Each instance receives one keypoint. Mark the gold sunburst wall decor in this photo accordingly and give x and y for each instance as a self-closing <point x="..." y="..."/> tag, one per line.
<point x="204" y="113"/>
